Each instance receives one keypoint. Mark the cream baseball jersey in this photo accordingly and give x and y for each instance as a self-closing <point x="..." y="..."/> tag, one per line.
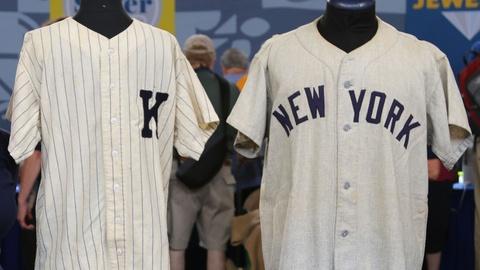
<point x="108" y="113"/>
<point x="345" y="176"/>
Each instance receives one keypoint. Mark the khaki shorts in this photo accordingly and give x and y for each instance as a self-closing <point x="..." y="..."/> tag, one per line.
<point x="210" y="208"/>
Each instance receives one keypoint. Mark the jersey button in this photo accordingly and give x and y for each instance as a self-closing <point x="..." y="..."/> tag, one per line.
<point x="347" y="127"/>
<point x="344" y="233"/>
<point x="116" y="187"/>
<point x="114" y="152"/>
<point x="346" y="186"/>
<point x="119" y="252"/>
<point x="113" y="120"/>
<point x="118" y="220"/>
<point x="111" y="51"/>
<point x="347" y="84"/>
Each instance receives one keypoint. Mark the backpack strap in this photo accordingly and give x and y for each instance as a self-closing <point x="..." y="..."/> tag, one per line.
<point x="224" y="95"/>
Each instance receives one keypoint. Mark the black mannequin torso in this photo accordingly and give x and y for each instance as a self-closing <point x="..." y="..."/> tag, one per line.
<point x="106" y="17"/>
<point x="348" y="29"/>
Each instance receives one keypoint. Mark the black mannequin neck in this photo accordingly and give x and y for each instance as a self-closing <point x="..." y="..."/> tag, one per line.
<point x="106" y="17"/>
<point x="348" y="29"/>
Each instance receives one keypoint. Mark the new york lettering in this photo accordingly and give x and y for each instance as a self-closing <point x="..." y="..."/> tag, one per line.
<point x="316" y="102"/>
<point x="372" y="104"/>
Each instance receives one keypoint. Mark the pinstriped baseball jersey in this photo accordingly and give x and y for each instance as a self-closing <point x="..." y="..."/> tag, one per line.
<point x="345" y="177"/>
<point x="108" y="113"/>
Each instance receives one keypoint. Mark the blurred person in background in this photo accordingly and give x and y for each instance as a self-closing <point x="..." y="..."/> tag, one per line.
<point x="235" y="67"/>
<point x="469" y="86"/>
<point x="8" y="181"/>
<point x="29" y="176"/>
<point x="204" y="198"/>
<point x="248" y="176"/>
<point x="440" y="181"/>
<point x="247" y="172"/>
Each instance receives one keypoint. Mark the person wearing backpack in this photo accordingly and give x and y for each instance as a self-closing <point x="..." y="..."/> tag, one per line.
<point x="201" y="192"/>
<point x="440" y="181"/>
<point x="469" y="84"/>
<point x="247" y="172"/>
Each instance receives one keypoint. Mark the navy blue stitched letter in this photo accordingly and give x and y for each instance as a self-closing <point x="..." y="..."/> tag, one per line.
<point x="283" y="119"/>
<point x="152" y="112"/>
<point x="378" y="117"/>
<point x="405" y="132"/>
<point x="316" y="101"/>
<point x="357" y="103"/>
<point x="393" y="116"/>
<point x="295" y="108"/>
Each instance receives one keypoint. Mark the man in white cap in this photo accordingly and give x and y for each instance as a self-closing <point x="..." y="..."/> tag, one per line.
<point x="201" y="193"/>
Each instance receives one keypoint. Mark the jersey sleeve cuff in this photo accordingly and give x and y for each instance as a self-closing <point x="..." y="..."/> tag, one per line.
<point x="450" y="159"/>
<point x="20" y="156"/>
<point x="246" y="144"/>
<point x="195" y="150"/>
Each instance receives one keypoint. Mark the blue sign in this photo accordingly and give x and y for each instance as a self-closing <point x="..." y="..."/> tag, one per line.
<point x="452" y="25"/>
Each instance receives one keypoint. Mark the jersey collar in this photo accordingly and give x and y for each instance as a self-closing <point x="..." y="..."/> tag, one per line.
<point x="326" y="52"/>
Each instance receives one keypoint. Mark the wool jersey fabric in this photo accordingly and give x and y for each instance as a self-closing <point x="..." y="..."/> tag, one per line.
<point x="345" y="177"/>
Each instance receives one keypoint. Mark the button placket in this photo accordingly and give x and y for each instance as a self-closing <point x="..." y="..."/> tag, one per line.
<point x="118" y="214"/>
<point x="106" y="77"/>
<point x="349" y="79"/>
<point x="346" y="78"/>
<point x="346" y="207"/>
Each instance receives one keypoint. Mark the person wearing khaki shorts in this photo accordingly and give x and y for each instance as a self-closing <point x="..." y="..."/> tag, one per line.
<point x="210" y="208"/>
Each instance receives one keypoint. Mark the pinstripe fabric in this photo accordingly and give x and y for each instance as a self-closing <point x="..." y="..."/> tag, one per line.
<point x="102" y="201"/>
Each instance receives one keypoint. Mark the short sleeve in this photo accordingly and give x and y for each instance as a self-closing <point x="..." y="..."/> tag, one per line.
<point x="195" y="119"/>
<point x="449" y="131"/>
<point x="24" y="106"/>
<point x="249" y="115"/>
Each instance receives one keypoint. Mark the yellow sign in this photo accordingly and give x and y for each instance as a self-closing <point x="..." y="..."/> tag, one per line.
<point x="160" y="13"/>
<point x="446" y="4"/>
